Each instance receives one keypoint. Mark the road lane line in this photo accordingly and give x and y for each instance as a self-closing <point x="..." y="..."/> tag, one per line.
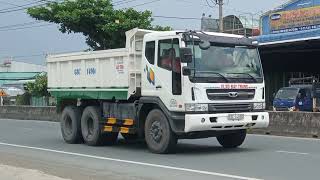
<point x="284" y="137"/>
<point x="132" y="162"/>
<point x="291" y="152"/>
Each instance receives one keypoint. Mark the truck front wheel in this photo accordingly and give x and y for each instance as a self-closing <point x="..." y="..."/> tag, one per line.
<point x="70" y="124"/>
<point x="91" y="130"/>
<point x="158" y="134"/>
<point x="232" y="140"/>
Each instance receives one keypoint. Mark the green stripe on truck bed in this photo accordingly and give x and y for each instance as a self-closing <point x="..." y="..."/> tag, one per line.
<point x="117" y="93"/>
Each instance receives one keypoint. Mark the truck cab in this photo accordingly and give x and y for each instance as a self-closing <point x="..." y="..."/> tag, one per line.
<point x="220" y="87"/>
<point x="296" y="98"/>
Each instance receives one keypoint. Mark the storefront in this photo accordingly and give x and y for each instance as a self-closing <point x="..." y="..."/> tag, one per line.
<point x="290" y="44"/>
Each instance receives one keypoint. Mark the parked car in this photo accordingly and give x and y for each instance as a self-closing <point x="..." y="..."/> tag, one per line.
<point x="294" y="98"/>
<point x="14" y="89"/>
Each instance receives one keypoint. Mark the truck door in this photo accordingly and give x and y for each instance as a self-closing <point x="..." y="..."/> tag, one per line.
<point x="309" y="101"/>
<point x="304" y="100"/>
<point x="164" y="78"/>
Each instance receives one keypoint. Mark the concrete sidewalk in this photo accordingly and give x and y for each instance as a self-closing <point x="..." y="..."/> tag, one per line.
<point x="14" y="173"/>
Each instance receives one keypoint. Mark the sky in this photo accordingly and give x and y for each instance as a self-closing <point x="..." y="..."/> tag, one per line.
<point x="32" y="44"/>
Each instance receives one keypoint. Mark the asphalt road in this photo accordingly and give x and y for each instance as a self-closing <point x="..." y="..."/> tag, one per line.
<point x="39" y="145"/>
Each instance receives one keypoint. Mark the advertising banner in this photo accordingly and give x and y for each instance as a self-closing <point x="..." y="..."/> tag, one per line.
<point x="295" y="20"/>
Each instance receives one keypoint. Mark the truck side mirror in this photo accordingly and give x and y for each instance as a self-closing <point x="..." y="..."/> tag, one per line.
<point x="186" y="71"/>
<point x="204" y="45"/>
<point x="186" y="55"/>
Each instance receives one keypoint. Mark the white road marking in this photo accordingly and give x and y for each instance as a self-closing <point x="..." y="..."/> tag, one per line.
<point x="132" y="162"/>
<point x="285" y="137"/>
<point x="291" y="152"/>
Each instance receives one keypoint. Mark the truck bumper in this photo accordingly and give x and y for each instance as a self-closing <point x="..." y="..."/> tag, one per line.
<point x="220" y="122"/>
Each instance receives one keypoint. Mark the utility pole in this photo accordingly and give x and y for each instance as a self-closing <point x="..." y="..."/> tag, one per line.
<point x="220" y="3"/>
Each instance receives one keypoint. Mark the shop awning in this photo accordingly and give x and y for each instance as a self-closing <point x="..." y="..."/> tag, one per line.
<point x="288" y="37"/>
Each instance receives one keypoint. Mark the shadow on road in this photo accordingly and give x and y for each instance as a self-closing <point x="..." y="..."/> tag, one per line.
<point x="183" y="148"/>
<point x="186" y="148"/>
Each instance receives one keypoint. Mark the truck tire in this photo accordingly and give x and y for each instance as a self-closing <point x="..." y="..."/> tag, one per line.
<point x="91" y="129"/>
<point x="70" y="124"/>
<point x="232" y="140"/>
<point x="158" y="134"/>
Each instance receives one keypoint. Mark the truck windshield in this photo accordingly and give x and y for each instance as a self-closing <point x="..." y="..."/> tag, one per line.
<point x="226" y="64"/>
<point x="288" y="93"/>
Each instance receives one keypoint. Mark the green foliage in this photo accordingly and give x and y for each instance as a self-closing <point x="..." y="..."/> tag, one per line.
<point x="39" y="87"/>
<point x="23" y="99"/>
<point x="103" y="26"/>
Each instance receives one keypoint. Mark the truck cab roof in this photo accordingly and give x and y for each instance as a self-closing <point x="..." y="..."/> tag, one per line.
<point x="174" y="33"/>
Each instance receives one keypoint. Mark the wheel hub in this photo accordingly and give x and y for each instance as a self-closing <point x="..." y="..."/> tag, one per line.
<point x="156" y="131"/>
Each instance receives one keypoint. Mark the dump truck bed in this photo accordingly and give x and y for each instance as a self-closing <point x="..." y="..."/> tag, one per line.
<point x="94" y="75"/>
<point x="97" y="69"/>
<point x="105" y="74"/>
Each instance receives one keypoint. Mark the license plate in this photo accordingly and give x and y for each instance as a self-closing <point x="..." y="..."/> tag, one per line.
<point x="235" y="117"/>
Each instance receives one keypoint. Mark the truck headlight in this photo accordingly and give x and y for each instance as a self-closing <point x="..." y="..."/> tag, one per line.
<point x="259" y="106"/>
<point x="196" y="107"/>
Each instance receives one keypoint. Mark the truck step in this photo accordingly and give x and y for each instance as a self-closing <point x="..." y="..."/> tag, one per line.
<point x="124" y="130"/>
<point x="120" y="122"/>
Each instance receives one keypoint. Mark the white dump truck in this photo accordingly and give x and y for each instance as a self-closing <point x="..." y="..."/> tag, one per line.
<point x="162" y="87"/>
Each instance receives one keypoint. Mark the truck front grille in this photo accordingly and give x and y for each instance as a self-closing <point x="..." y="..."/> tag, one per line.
<point x="230" y="94"/>
<point x="230" y="108"/>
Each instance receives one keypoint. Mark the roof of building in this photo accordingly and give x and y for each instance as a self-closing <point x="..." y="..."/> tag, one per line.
<point x="288" y="37"/>
<point x="15" y="76"/>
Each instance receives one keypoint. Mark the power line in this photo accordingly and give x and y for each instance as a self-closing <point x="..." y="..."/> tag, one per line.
<point x="24" y="56"/>
<point x="11" y="4"/>
<point x="208" y="4"/>
<point x="213" y="6"/>
<point x="176" y="17"/>
<point x="145" y="3"/>
<point x="123" y="2"/>
<point x="142" y="4"/>
<point x="28" y="27"/>
<point x="21" y="24"/>
<point x="24" y="5"/>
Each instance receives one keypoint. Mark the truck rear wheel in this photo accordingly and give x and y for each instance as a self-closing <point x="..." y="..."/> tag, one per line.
<point x="232" y="140"/>
<point x="91" y="130"/>
<point x="70" y="124"/>
<point x="158" y="134"/>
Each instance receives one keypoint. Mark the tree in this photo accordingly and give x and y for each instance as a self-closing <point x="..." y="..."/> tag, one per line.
<point x="103" y="26"/>
<point x="39" y="86"/>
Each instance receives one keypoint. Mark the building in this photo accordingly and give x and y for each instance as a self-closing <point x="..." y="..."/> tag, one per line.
<point x="16" y="66"/>
<point x="14" y="71"/>
<point x="241" y="25"/>
<point x="290" y="43"/>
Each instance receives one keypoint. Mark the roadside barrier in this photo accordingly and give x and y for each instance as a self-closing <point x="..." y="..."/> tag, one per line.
<point x="29" y="113"/>
<point x="301" y="124"/>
